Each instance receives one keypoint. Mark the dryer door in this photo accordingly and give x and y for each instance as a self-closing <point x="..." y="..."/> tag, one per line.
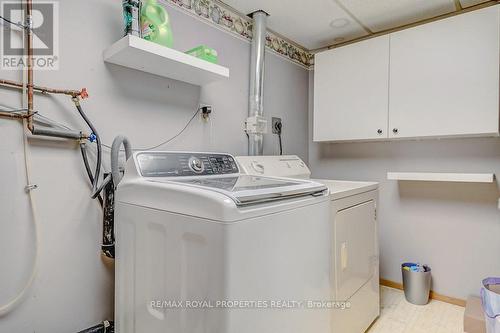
<point x="355" y="248"/>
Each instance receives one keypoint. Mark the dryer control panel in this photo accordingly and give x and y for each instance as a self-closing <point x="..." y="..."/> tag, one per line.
<point x="182" y="164"/>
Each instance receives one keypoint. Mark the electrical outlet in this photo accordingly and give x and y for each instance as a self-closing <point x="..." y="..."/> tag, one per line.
<point x="276" y="122"/>
<point x="206" y="110"/>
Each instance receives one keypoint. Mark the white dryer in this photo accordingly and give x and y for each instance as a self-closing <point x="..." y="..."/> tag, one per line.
<point x="354" y="240"/>
<point x="203" y="249"/>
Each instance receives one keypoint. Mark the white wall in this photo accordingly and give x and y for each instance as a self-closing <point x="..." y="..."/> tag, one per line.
<point x="453" y="227"/>
<point x="74" y="287"/>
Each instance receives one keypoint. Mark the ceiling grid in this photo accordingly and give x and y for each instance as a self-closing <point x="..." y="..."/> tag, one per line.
<point x="324" y="23"/>
<point x="298" y="29"/>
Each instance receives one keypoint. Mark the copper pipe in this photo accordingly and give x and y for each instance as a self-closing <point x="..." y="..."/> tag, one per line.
<point x="30" y="86"/>
<point x="4" y="114"/>
<point x="46" y="90"/>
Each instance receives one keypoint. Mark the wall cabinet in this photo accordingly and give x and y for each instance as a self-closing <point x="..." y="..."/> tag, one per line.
<point x="350" y="91"/>
<point x="441" y="79"/>
<point x="444" y="77"/>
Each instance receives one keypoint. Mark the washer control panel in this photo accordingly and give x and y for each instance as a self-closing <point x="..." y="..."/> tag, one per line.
<point x="279" y="166"/>
<point x="182" y="164"/>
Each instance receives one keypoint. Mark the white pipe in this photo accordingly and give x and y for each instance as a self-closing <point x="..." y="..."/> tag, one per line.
<point x="9" y="306"/>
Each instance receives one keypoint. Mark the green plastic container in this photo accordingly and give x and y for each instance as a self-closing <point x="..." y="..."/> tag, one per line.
<point x="155" y="23"/>
<point x="205" y="53"/>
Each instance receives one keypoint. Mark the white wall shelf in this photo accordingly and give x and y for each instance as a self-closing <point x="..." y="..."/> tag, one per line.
<point x="137" y="53"/>
<point x="442" y="177"/>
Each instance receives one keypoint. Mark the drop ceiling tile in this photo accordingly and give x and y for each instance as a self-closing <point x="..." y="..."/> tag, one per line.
<point x="468" y="3"/>
<point x="378" y="15"/>
<point x="308" y="23"/>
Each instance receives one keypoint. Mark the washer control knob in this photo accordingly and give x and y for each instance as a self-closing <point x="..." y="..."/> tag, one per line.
<point x="195" y="164"/>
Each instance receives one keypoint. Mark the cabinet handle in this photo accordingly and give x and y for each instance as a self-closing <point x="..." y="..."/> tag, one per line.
<point x="395" y="130"/>
<point x="379" y="131"/>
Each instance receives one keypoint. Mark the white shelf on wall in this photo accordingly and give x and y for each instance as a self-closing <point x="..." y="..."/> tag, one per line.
<point x="140" y="54"/>
<point x="442" y="177"/>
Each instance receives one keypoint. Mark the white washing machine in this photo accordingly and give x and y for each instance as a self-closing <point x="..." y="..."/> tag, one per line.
<point x="354" y="247"/>
<point x="203" y="249"/>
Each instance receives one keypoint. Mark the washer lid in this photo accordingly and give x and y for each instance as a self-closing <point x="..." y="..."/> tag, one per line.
<point x="247" y="190"/>
<point x="209" y="186"/>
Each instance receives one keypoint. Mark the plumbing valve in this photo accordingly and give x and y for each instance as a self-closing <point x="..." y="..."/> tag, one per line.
<point x="84" y="93"/>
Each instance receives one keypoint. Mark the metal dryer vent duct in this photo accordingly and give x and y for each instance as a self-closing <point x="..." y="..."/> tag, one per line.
<point x="256" y="124"/>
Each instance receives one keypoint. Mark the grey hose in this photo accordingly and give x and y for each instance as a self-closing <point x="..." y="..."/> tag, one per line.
<point x="115" y="151"/>
<point x="97" y="172"/>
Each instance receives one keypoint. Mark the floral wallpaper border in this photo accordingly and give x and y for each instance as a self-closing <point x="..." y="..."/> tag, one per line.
<point x="216" y="13"/>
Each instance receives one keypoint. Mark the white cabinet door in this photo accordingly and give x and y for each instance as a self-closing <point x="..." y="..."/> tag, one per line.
<point x="351" y="91"/>
<point x="444" y="77"/>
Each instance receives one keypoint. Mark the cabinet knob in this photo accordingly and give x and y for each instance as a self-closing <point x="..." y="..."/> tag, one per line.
<point x="379" y="131"/>
<point x="395" y="130"/>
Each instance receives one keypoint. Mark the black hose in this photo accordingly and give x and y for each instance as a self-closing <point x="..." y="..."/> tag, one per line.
<point x="108" y="219"/>
<point x="86" y="162"/>
<point x="105" y="327"/>
<point x="281" y="144"/>
<point x="95" y="329"/>
<point x="278" y="129"/>
<point x="95" y="191"/>
<point x="83" y="150"/>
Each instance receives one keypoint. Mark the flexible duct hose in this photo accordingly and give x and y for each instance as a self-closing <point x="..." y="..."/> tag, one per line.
<point x="115" y="151"/>
<point x="115" y="169"/>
